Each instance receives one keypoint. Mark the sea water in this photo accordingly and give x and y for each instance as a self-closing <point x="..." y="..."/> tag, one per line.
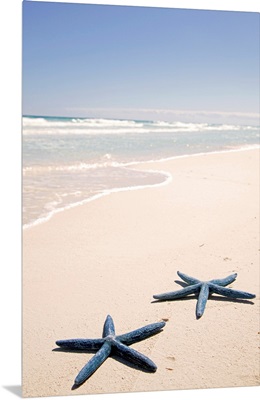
<point x="68" y="161"/>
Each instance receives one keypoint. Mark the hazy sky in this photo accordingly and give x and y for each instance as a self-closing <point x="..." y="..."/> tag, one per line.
<point x="138" y="62"/>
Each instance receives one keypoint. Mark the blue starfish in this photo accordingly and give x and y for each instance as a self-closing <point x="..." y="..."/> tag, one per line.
<point x="205" y="289"/>
<point x="111" y="342"/>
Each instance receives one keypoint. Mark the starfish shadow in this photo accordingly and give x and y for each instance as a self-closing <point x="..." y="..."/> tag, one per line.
<point x="129" y="364"/>
<point x="229" y="300"/>
<point x="61" y="350"/>
<point x="183" y="284"/>
<point x="192" y="296"/>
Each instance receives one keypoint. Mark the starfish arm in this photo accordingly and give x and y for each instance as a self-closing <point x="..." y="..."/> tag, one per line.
<point x="178" y="293"/>
<point x="134" y="356"/>
<point x="235" y="294"/>
<point x="93" y="364"/>
<point x="225" y="281"/>
<point x="80" y="344"/>
<point x="109" y="328"/>
<point x="188" y="279"/>
<point x="202" y="300"/>
<point x="141" y="334"/>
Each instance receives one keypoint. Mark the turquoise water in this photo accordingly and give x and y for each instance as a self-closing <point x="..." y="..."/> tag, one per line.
<point x="67" y="161"/>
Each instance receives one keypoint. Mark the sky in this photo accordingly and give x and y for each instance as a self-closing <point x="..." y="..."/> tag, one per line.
<point x="140" y="63"/>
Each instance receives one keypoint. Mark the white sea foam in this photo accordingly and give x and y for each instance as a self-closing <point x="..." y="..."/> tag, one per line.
<point x="73" y="167"/>
<point x="167" y="176"/>
<point x="40" y="125"/>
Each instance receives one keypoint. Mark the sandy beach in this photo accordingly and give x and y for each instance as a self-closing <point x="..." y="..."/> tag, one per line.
<point x="111" y="255"/>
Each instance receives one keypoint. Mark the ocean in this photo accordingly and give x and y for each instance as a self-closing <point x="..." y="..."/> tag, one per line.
<point x="69" y="161"/>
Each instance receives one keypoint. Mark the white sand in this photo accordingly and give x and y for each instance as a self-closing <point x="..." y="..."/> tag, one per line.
<point x="111" y="255"/>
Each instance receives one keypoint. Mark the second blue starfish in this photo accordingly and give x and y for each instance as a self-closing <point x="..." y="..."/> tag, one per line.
<point x="205" y="289"/>
<point x="111" y="342"/>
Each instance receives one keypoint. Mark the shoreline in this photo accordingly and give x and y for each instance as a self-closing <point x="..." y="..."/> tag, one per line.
<point x="111" y="256"/>
<point x="106" y="192"/>
<point x="168" y="179"/>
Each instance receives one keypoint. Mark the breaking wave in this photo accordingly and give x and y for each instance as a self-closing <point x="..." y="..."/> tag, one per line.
<point x="95" y="126"/>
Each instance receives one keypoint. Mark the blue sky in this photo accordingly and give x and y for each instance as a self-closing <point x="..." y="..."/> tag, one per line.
<point x="140" y="62"/>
